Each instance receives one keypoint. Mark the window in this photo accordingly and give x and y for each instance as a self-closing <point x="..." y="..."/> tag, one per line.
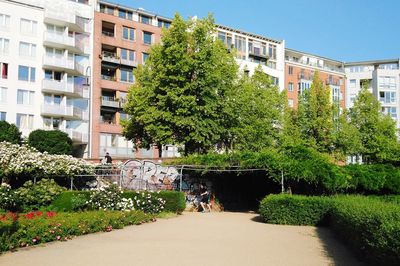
<point x="24" y="121"/>
<point x="52" y="99"/>
<point x="25" y="97"/>
<point x="28" y="26"/>
<point x="4" y="21"/>
<point x="240" y="44"/>
<point x="272" y="51"/>
<point x="290" y="70"/>
<point x="106" y="9"/>
<point x="3" y="94"/>
<point x="387" y="96"/>
<point x="353" y="83"/>
<point x="27" y="49"/>
<point x="3" y="116"/>
<point x="127" y="55"/>
<point x="127" y="75"/>
<point x="290" y="102"/>
<point x="128" y="33"/>
<point x="26" y="73"/>
<point x="145" y="19"/>
<point x="290" y="87"/>
<point x="3" y="70"/>
<point x="147" y="37"/>
<point x="4" y="46"/>
<point x="51" y="123"/>
<point x="53" y="75"/>
<point x="144" y="57"/>
<point x="163" y="24"/>
<point x="125" y="14"/>
<point x="387" y="82"/>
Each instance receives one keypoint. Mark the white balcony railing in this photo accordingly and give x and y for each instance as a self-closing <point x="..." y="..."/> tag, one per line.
<point x="63" y="62"/>
<point x="65" y="87"/>
<point x="110" y="102"/>
<point x="63" y="39"/>
<point x="66" y="111"/>
<point x="75" y="23"/>
<point x="77" y="136"/>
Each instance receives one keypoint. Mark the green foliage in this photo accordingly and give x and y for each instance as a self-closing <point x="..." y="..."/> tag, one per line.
<point x="34" y="229"/>
<point x="295" y="210"/>
<point x="42" y="193"/>
<point x="315" y="113"/>
<point x="70" y="201"/>
<point x="179" y="94"/>
<point x="256" y="108"/>
<point x="9" y="133"/>
<point x="377" y="131"/>
<point x="174" y="201"/>
<point x="369" y="226"/>
<point x="347" y="137"/>
<point x="51" y="141"/>
<point x="8" y="199"/>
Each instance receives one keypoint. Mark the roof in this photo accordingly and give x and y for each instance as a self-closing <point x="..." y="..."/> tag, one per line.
<point x="322" y="57"/>
<point x="373" y="62"/>
<point x="248" y="34"/>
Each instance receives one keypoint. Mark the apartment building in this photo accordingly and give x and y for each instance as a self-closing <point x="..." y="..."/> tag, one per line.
<point x="122" y="38"/>
<point x="45" y="52"/>
<point x="299" y="71"/>
<point x="383" y="77"/>
<point x="253" y="50"/>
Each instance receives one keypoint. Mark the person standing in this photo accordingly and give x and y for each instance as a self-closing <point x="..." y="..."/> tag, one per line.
<point x="108" y="159"/>
<point x="204" y="198"/>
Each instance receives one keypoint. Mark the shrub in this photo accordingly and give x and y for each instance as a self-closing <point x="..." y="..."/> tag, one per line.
<point x="295" y="210"/>
<point x="69" y="201"/>
<point x="9" y="133"/>
<point x="369" y="226"/>
<point x="109" y="198"/>
<point x="8" y="199"/>
<point x="37" y="227"/>
<point x="174" y="201"/>
<point x="34" y="196"/>
<point x="51" y="141"/>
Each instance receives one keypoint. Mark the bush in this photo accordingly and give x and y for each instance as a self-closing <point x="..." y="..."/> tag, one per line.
<point x="69" y="201"/>
<point x="37" y="227"/>
<point x="9" y="133"/>
<point x="8" y="198"/>
<point x="369" y="226"/>
<point x="51" y="141"/>
<point x="295" y="210"/>
<point x="33" y="196"/>
<point x="174" y="200"/>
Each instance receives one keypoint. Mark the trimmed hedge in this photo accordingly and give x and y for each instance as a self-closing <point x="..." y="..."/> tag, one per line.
<point x="370" y="225"/>
<point x="175" y="200"/>
<point x="295" y="210"/>
<point x="36" y="227"/>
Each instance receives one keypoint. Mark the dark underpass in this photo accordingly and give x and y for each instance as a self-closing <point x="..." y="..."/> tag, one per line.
<point x="237" y="191"/>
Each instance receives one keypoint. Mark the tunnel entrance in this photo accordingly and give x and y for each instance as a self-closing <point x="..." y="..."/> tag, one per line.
<point x="236" y="191"/>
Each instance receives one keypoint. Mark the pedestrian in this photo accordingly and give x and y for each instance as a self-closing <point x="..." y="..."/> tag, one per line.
<point x="205" y="198"/>
<point x="108" y="159"/>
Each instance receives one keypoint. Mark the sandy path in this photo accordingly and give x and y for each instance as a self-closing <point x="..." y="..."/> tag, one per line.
<point x="194" y="239"/>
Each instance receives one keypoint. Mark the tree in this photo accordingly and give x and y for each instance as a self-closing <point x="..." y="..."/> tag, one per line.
<point x="377" y="130"/>
<point x="257" y="109"/>
<point x="179" y="94"/>
<point x="316" y="115"/>
<point x="10" y="133"/>
<point x="291" y="131"/>
<point x="51" y="141"/>
<point x="347" y="137"/>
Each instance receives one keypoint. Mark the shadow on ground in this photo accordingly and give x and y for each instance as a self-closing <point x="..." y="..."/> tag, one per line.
<point x="332" y="246"/>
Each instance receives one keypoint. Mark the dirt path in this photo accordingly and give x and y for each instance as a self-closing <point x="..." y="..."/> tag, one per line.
<point x="194" y="239"/>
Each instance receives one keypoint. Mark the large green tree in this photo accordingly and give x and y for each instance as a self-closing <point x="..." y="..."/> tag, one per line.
<point x="377" y="131"/>
<point x="256" y="107"/>
<point x="51" y="141"/>
<point x="9" y="132"/>
<point x="315" y="113"/>
<point x="179" y="95"/>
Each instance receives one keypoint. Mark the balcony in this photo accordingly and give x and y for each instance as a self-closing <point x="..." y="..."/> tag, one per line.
<point x="66" y="88"/>
<point x="64" y="64"/>
<point x="110" y="57"/>
<point x="334" y="82"/>
<point x="65" y="111"/>
<point x="305" y="76"/>
<point x="256" y="52"/>
<point x="77" y="136"/>
<point x="109" y="102"/>
<point x="128" y="62"/>
<point x="62" y="18"/>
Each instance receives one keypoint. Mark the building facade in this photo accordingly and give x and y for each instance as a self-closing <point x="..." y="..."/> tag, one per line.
<point x="45" y="54"/>
<point x="299" y="71"/>
<point x="383" y="77"/>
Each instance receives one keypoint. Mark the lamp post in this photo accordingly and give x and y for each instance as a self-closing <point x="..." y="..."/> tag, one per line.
<point x="87" y="84"/>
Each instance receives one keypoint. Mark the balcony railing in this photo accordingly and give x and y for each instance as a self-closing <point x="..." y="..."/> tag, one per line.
<point x="110" y="102"/>
<point x="77" y="136"/>
<point x="66" y="111"/>
<point x="257" y="52"/>
<point x="75" y="23"/>
<point x="108" y="33"/>
<point x="117" y="151"/>
<point x="63" y="39"/>
<point x="107" y="77"/>
<point x="129" y="62"/>
<point x="305" y="76"/>
<point x="64" y="63"/>
<point x="110" y="57"/>
<point x="335" y="82"/>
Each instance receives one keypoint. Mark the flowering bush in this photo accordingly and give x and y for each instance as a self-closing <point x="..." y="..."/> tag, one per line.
<point x="36" y="227"/>
<point x="149" y="202"/>
<point x="109" y="198"/>
<point x="37" y="195"/>
<point x="8" y="199"/>
<point x="18" y="160"/>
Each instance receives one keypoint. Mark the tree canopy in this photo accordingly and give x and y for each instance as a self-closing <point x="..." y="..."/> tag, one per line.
<point x="10" y="133"/>
<point x="51" y="141"/>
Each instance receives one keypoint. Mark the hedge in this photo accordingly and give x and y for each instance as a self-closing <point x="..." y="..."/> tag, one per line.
<point x="37" y="227"/>
<point x="370" y="225"/>
<point x="175" y="201"/>
<point x="295" y="210"/>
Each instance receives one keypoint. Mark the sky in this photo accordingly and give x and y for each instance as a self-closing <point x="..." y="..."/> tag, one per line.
<point x="345" y="30"/>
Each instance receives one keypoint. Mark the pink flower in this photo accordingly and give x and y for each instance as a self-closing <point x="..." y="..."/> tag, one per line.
<point x="58" y="237"/>
<point x="34" y="240"/>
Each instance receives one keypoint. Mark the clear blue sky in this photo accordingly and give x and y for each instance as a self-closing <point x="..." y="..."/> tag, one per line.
<point x="347" y="30"/>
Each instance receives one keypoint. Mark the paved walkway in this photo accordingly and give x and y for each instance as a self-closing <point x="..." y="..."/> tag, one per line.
<point x="193" y="239"/>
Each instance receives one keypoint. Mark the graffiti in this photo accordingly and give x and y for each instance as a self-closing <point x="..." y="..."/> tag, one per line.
<point x="139" y="175"/>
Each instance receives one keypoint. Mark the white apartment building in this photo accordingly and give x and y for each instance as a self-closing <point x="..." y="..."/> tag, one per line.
<point x="384" y="83"/>
<point x="254" y="50"/>
<point x="45" y="54"/>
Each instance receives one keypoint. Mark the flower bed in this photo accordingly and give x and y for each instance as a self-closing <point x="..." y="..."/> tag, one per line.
<point x="21" y="230"/>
